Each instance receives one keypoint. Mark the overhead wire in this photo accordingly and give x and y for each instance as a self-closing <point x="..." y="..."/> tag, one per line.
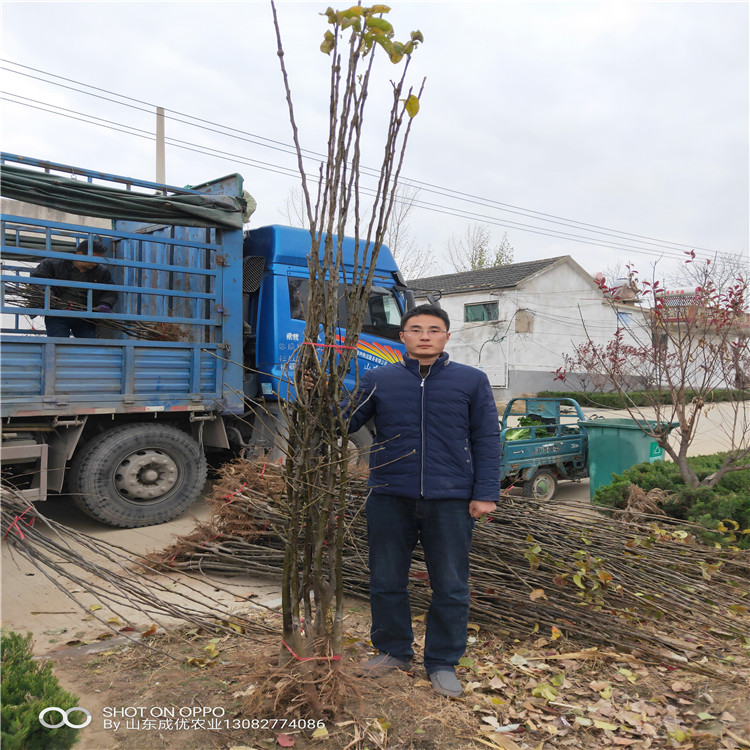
<point x="290" y="172"/>
<point x="141" y="133"/>
<point x="542" y="231"/>
<point x="287" y="148"/>
<point x="662" y="247"/>
<point x="437" y="208"/>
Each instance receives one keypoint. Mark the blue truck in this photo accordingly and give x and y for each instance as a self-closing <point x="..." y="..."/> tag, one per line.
<point x="123" y="422"/>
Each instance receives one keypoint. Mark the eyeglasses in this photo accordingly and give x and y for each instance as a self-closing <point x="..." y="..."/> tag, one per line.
<point x="420" y="331"/>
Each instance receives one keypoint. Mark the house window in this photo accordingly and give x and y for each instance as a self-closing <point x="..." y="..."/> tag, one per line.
<point x="624" y="319"/>
<point x="480" y="312"/>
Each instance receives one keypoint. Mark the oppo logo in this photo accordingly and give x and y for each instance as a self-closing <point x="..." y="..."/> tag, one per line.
<point x="65" y="713"/>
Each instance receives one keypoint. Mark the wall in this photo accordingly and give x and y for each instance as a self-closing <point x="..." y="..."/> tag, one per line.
<point x="540" y="321"/>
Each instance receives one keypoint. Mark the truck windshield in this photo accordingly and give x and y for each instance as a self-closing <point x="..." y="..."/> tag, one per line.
<point x="382" y="317"/>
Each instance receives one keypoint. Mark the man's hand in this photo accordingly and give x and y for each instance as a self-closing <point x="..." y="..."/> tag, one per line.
<point x="479" y="508"/>
<point x="308" y="380"/>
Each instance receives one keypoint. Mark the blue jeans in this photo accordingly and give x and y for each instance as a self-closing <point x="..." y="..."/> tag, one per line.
<point x="444" y="528"/>
<point x="62" y="327"/>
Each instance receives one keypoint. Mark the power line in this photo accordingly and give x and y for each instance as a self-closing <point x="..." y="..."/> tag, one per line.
<point x="287" y="148"/>
<point x="545" y="232"/>
<point x="140" y="133"/>
<point x="428" y="187"/>
<point x="462" y="213"/>
<point x="289" y="172"/>
<point x="151" y="107"/>
<point x="662" y="248"/>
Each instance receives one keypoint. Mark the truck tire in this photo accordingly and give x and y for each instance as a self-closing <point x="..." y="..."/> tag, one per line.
<point x="541" y="485"/>
<point x="138" y="475"/>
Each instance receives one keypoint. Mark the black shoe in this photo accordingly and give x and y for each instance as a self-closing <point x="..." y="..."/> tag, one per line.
<point x="383" y="663"/>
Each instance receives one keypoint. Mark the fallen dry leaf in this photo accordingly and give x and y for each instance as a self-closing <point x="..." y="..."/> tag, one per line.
<point x="649" y="730"/>
<point x="681" y="686"/>
<point x="500" y="743"/>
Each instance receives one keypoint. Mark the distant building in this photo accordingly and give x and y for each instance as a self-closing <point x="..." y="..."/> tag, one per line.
<point x="517" y="322"/>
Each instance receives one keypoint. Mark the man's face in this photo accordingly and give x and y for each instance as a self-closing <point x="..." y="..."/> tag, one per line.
<point x="85" y="265"/>
<point x="425" y="337"/>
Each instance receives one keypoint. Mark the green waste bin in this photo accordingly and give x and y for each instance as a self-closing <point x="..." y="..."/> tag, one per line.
<point x="617" y="444"/>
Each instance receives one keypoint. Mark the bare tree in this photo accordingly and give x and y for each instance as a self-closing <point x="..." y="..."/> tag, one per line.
<point x="474" y="249"/>
<point x="414" y="260"/>
<point x="721" y="272"/>
<point x="293" y="209"/>
<point x="616" y="271"/>
<point x="316" y="465"/>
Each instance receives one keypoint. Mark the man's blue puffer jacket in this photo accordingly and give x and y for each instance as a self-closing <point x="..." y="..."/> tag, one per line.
<point x="436" y="437"/>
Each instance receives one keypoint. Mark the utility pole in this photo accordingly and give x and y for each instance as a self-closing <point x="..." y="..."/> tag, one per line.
<point x="161" y="175"/>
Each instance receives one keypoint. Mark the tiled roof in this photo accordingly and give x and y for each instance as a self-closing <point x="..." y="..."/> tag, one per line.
<point x="500" y="277"/>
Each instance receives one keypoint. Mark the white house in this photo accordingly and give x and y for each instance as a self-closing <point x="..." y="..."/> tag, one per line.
<point x="517" y="322"/>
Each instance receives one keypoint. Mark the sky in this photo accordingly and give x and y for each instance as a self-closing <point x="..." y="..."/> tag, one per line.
<point x="614" y="132"/>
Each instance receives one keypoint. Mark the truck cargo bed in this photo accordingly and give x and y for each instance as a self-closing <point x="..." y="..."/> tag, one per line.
<point x="43" y="375"/>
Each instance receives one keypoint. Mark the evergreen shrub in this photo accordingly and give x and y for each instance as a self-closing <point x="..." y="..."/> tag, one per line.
<point x="726" y="504"/>
<point x="28" y="687"/>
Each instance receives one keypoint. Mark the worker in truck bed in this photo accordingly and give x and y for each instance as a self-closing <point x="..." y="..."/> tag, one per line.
<point x="75" y="298"/>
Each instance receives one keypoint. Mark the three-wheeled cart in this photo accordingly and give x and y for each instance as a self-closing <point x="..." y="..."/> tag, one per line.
<point x="547" y="443"/>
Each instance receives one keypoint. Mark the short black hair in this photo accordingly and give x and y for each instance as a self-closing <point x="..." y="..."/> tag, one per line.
<point x="434" y="310"/>
<point x="97" y="248"/>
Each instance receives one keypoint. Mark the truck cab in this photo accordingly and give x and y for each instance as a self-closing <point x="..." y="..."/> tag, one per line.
<point x="275" y="294"/>
<point x="277" y="304"/>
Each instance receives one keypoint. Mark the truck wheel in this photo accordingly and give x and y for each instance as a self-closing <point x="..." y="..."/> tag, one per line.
<point x="138" y="475"/>
<point x="542" y="485"/>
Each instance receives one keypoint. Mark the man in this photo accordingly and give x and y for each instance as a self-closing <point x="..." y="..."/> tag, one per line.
<point x="87" y="271"/>
<point x="434" y="470"/>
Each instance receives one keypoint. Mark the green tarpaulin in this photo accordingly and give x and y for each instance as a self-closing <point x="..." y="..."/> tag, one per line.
<point x="106" y="202"/>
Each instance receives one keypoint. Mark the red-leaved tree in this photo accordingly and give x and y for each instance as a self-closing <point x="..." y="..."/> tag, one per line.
<point x="687" y="345"/>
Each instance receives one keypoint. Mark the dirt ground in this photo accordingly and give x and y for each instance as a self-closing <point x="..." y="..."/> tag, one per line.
<point x="532" y="694"/>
